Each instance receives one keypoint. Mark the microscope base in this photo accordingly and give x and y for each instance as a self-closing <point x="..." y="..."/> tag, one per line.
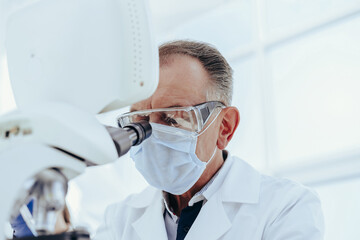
<point x="74" y="235"/>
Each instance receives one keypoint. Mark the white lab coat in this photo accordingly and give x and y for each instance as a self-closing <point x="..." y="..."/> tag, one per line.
<point x="245" y="206"/>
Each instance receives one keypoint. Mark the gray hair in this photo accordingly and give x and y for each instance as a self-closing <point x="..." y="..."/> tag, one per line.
<point x="214" y="63"/>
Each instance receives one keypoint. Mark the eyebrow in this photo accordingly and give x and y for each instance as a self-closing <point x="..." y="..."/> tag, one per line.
<point x="172" y="106"/>
<point x="133" y="109"/>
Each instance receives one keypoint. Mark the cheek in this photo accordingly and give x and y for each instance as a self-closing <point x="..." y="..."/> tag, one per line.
<point x="205" y="144"/>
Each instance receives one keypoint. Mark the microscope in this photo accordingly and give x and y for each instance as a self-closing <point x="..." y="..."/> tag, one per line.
<point x="69" y="60"/>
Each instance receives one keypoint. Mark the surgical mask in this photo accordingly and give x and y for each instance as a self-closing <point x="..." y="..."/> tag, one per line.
<point x="167" y="160"/>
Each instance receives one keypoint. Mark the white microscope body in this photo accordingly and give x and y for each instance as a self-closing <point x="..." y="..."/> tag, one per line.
<point x="69" y="60"/>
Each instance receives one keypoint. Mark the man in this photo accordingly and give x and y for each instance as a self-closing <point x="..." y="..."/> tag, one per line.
<point x="199" y="190"/>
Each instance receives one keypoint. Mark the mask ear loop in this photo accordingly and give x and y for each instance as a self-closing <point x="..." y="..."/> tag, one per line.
<point x="213" y="154"/>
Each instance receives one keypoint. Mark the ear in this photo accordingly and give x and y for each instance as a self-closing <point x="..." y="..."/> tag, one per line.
<point x="230" y="121"/>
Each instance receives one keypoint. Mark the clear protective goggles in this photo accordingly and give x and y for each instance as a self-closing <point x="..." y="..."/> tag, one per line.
<point x="192" y="118"/>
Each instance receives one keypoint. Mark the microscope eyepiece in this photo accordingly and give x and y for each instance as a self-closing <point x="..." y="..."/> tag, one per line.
<point x="143" y="130"/>
<point x="130" y="135"/>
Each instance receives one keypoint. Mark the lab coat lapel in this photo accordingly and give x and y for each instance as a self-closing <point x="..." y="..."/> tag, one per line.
<point x="151" y="224"/>
<point x="240" y="184"/>
<point x="212" y="221"/>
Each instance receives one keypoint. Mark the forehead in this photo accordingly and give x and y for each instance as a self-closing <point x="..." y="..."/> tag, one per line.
<point x="183" y="82"/>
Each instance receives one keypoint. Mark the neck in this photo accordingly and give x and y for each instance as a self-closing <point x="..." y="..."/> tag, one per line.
<point x="179" y="202"/>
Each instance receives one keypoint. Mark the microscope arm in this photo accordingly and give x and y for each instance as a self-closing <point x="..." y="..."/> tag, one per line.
<point x="60" y="126"/>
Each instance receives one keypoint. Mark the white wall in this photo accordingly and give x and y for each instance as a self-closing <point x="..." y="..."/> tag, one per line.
<point x="297" y="84"/>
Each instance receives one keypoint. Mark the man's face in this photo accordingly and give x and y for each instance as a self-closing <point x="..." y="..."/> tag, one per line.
<point x="183" y="82"/>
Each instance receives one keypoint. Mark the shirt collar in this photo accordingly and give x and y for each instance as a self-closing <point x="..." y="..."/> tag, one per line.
<point x="168" y="208"/>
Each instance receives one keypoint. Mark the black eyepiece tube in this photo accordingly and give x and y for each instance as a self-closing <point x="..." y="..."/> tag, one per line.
<point x="130" y="135"/>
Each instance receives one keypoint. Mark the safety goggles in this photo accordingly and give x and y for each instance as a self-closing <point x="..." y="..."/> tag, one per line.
<point x="192" y="118"/>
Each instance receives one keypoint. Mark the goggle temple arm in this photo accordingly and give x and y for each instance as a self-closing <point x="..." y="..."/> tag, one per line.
<point x="205" y="110"/>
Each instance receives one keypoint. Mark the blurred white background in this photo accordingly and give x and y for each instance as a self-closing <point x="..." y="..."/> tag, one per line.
<point x="297" y="86"/>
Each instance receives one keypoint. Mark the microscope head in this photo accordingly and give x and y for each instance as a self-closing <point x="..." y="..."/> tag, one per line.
<point x="96" y="55"/>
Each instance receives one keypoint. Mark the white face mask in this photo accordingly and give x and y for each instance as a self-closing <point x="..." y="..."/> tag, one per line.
<point x="167" y="160"/>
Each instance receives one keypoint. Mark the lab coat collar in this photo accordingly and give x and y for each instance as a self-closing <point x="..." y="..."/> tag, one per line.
<point x="212" y="221"/>
<point x="144" y="198"/>
<point x="237" y="182"/>
<point x="151" y="224"/>
<point x="240" y="183"/>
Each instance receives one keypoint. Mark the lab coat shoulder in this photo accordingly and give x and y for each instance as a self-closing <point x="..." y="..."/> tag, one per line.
<point x="287" y="210"/>
<point x="274" y="208"/>
<point x="118" y="217"/>
<point x="294" y="210"/>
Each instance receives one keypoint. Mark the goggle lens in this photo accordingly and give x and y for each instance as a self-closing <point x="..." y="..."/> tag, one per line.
<point x="185" y="120"/>
<point x="190" y="119"/>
